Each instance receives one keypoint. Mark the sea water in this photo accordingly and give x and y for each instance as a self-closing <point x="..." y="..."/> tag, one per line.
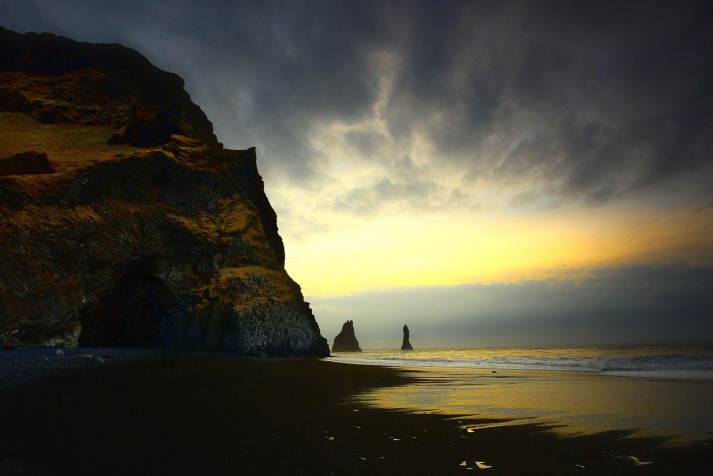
<point x="583" y="389"/>
<point x="667" y="360"/>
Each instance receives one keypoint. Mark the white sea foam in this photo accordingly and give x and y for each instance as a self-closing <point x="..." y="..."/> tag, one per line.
<point x="680" y="360"/>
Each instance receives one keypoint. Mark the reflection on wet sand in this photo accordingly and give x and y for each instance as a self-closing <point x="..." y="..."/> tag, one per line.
<point x="575" y="403"/>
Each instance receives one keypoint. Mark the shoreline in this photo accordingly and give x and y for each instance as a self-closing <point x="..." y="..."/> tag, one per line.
<point x="576" y="403"/>
<point x="659" y="360"/>
<point x="193" y="413"/>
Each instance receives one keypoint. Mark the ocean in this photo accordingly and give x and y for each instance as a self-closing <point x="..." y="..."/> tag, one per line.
<point x="584" y="389"/>
<point x="662" y="360"/>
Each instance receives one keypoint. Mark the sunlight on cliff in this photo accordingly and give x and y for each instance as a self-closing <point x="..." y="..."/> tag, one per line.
<point x="70" y="145"/>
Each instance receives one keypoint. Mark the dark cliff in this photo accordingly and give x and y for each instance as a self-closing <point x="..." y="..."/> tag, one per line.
<point x="346" y="340"/>
<point x="61" y="80"/>
<point x="140" y="229"/>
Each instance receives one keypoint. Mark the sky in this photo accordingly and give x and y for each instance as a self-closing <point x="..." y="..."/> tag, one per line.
<point x="489" y="173"/>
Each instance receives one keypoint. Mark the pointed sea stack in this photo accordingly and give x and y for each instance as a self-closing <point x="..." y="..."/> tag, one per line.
<point x="406" y="345"/>
<point x="346" y="341"/>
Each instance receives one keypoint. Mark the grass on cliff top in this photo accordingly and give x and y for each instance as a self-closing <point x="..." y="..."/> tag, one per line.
<point x="69" y="145"/>
<point x="263" y="284"/>
<point x="246" y="287"/>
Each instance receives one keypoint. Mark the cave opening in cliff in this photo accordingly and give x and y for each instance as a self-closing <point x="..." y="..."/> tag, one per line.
<point x="128" y="315"/>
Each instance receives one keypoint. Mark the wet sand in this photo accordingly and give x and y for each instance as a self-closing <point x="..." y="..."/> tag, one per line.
<point x="215" y="414"/>
<point x="575" y="402"/>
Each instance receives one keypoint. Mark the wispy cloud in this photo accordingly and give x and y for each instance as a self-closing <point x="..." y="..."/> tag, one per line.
<point x="703" y="207"/>
<point x="597" y="101"/>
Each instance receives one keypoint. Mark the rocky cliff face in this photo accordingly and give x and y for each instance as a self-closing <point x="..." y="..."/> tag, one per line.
<point x="142" y="231"/>
<point x="346" y="340"/>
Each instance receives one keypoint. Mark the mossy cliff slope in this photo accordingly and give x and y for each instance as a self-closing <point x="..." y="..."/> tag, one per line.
<point x="130" y="225"/>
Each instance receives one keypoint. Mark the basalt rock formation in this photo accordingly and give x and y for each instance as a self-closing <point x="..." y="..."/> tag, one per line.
<point x="346" y="340"/>
<point x="131" y="226"/>
<point x="406" y="344"/>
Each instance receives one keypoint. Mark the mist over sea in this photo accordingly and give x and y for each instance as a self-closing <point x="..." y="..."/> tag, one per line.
<point x="662" y="360"/>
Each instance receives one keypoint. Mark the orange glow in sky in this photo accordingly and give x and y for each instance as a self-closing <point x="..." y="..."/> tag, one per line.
<point x="428" y="251"/>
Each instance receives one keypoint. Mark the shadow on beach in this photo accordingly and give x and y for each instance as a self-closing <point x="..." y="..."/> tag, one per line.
<point x="191" y="413"/>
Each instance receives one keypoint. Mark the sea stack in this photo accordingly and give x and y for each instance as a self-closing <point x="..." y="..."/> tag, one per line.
<point x="406" y="345"/>
<point x="346" y="341"/>
<point x="125" y="223"/>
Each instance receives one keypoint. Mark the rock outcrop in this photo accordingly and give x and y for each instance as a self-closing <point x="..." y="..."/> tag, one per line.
<point x="145" y="232"/>
<point x="27" y="163"/>
<point x="346" y="340"/>
<point x="406" y="344"/>
<point x="58" y="80"/>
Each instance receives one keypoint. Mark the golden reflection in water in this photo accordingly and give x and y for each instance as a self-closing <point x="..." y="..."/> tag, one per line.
<point x="575" y="403"/>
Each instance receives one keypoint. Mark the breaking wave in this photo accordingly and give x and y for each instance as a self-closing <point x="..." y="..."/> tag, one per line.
<point x="680" y="360"/>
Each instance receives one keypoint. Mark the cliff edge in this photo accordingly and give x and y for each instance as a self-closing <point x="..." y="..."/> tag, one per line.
<point x="123" y="221"/>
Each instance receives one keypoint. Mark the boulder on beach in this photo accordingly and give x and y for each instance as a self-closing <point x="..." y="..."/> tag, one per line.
<point x="27" y="163"/>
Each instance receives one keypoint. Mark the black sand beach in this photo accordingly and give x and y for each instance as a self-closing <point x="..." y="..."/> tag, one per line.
<point x="185" y="413"/>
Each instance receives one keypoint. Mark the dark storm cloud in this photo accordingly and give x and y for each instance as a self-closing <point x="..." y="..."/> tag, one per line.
<point x="414" y="195"/>
<point x="585" y="160"/>
<point x="635" y="303"/>
<point x="367" y="143"/>
<point x="703" y="207"/>
<point x="266" y="72"/>
<point x="596" y="99"/>
<point x="592" y="99"/>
